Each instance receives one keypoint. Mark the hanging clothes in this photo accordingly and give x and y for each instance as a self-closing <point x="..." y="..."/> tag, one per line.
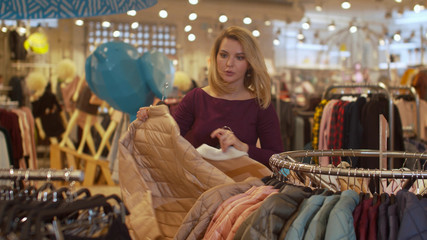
<point x="9" y="121"/>
<point x="199" y="217"/>
<point x="267" y="221"/>
<point x="16" y="45"/>
<point x="48" y="109"/>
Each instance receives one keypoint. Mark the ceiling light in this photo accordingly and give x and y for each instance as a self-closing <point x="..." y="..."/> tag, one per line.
<point x="4" y="29"/>
<point x="306" y="25"/>
<point x="276" y="42"/>
<point x="256" y="33"/>
<point x="300" y="35"/>
<point x="193" y="2"/>
<point x="397" y="37"/>
<point x="332" y="27"/>
<point x="79" y="22"/>
<point x="106" y="24"/>
<point x="134" y="25"/>
<point x="352" y="29"/>
<point x="117" y="33"/>
<point x="131" y="13"/>
<point x="187" y="28"/>
<point x="398" y="1"/>
<point x="192" y="16"/>
<point x="381" y="42"/>
<point x="400" y="11"/>
<point x="318" y="6"/>
<point x="345" y="5"/>
<point x="267" y="23"/>
<point x="418" y="8"/>
<point x="223" y="18"/>
<point x="247" y="20"/>
<point x="163" y="13"/>
<point x="191" y="37"/>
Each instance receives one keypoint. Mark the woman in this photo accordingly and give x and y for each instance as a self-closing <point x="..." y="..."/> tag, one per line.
<point x="235" y="108"/>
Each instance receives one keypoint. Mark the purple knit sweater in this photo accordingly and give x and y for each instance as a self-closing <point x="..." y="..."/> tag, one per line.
<point x="199" y="114"/>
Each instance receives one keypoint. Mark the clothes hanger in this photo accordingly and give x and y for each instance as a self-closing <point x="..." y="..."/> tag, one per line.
<point x="375" y="195"/>
<point x="98" y="202"/>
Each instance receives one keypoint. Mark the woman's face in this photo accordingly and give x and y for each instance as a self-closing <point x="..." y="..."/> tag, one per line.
<point x="231" y="61"/>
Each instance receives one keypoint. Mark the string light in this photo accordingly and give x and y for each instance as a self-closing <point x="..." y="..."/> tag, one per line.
<point x="79" y="22"/>
<point x="256" y="33"/>
<point x="131" y="13"/>
<point x="331" y="26"/>
<point x="188" y="28"/>
<point x="163" y="13"/>
<point x="191" y="37"/>
<point x="247" y="20"/>
<point x="192" y="16"/>
<point x="345" y="5"/>
<point x="223" y="18"/>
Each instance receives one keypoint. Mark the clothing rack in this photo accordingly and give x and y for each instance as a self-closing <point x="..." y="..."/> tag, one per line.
<point x="288" y="160"/>
<point x="414" y="93"/>
<point x="42" y="174"/>
<point x="9" y="104"/>
<point x="380" y="87"/>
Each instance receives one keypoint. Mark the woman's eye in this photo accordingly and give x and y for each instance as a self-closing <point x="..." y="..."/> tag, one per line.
<point x="240" y="58"/>
<point x="223" y="55"/>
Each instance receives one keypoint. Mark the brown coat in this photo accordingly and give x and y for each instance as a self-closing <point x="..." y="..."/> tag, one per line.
<point x="153" y="156"/>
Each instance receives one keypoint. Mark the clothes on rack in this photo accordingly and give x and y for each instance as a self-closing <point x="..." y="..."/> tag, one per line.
<point x="46" y="212"/>
<point x="20" y="91"/>
<point x="408" y="114"/>
<point x="9" y="120"/>
<point x="19" y="122"/>
<point x="16" y="45"/>
<point x="370" y="125"/>
<point x="353" y="125"/>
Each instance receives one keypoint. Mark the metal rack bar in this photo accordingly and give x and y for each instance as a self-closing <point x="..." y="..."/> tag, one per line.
<point x="286" y="160"/>
<point x="42" y="174"/>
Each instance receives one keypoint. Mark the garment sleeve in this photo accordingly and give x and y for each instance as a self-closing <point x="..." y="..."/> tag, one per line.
<point x="268" y="130"/>
<point x="184" y="113"/>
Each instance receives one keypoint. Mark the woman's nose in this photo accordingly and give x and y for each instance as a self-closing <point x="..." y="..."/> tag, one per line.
<point x="230" y="62"/>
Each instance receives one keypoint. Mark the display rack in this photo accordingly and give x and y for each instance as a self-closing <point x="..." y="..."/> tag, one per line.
<point x="42" y="174"/>
<point x="289" y="161"/>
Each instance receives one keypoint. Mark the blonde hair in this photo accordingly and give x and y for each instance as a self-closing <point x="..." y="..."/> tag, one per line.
<point x="257" y="80"/>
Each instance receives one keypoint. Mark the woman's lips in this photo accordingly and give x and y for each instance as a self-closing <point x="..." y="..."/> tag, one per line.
<point x="229" y="73"/>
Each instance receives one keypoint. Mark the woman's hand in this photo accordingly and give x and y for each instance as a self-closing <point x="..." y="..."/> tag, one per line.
<point x="227" y="138"/>
<point x="142" y="113"/>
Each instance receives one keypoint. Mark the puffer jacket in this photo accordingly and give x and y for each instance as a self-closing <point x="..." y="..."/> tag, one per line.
<point x="198" y="218"/>
<point x="153" y="156"/>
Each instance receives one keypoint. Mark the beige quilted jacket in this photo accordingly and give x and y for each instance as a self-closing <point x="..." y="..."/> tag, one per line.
<point x="161" y="175"/>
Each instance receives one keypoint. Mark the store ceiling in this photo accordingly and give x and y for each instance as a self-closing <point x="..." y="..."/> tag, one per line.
<point x="369" y="11"/>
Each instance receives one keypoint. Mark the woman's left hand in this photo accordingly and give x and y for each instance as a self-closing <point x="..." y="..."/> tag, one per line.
<point x="227" y="138"/>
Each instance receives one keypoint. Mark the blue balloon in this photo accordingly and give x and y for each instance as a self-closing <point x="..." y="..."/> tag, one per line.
<point x="116" y="73"/>
<point x="158" y="71"/>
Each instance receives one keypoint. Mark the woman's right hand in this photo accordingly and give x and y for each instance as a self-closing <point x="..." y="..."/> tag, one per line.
<point x="142" y="113"/>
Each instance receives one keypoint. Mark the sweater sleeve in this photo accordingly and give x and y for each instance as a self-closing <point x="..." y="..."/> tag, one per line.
<point x="184" y="113"/>
<point x="268" y="130"/>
